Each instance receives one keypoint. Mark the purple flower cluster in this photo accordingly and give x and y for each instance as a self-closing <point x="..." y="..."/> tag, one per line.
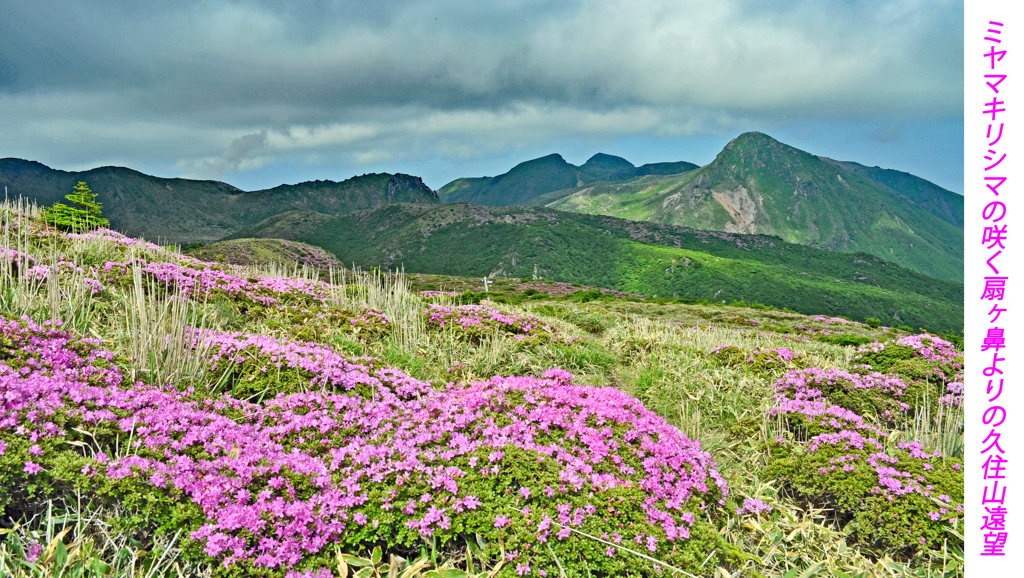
<point x="480" y="320"/>
<point x="41" y="272"/>
<point x="753" y="506"/>
<point x="840" y="452"/>
<point x="202" y="280"/>
<point x="830" y="320"/>
<point x="784" y="354"/>
<point x="16" y="256"/>
<point x="432" y="294"/>
<point x="924" y="345"/>
<point x="191" y="277"/>
<point x="318" y="362"/>
<point x="115" y="238"/>
<point x="945" y="365"/>
<point x="377" y="454"/>
<point x="810" y="387"/>
<point x="311" y="256"/>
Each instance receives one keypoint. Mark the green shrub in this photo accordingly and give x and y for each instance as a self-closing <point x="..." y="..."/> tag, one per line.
<point x="585" y="296"/>
<point x="844" y="339"/>
<point x="885" y="520"/>
<point x="756" y="360"/>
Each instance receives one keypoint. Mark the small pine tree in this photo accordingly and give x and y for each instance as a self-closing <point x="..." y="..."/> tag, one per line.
<point x="86" y="216"/>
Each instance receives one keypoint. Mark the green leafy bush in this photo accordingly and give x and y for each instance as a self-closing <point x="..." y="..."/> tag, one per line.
<point x="890" y="496"/>
<point x="844" y="339"/>
<point x="755" y="360"/>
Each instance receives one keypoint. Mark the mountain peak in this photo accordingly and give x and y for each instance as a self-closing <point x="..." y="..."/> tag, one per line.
<point x="754" y="136"/>
<point x="602" y="167"/>
<point x="754" y="139"/>
<point x="605" y="161"/>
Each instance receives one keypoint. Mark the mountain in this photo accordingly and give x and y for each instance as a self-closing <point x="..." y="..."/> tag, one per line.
<point x="760" y="185"/>
<point x="531" y="179"/>
<point x="635" y="257"/>
<point x="602" y="167"/>
<point x="938" y="201"/>
<point x="185" y="210"/>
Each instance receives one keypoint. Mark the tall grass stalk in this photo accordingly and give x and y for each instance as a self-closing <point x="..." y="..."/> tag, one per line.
<point x="158" y="333"/>
<point x="75" y="540"/>
<point x="63" y="294"/>
<point x="388" y="293"/>
<point x="937" y="427"/>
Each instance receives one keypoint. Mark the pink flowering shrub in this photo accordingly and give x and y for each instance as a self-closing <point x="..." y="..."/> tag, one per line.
<point x="311" y="256"/>
<point x="430" y="294"/>
<point x="889" y="495"/>
<point x="925" y="359"/>
<point x="201" y="281"/>
<point x="255" y="367"/>
<point x="16" y="257"/>
<point x="830" y="320"/>
<point x="113" y="237"/>
<point x="316" y="323"/>
<point x="752" y="506"/>
<point x="41" y="272"/>
<point x="362" y="455"/>
<point x="895" y="496"/>
<point x="476" y="321"/>
<point x="881" y="397"/>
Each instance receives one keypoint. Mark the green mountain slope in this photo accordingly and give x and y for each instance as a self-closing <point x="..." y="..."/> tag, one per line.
<point x="636" y="257"/>
<point x="534" y="178"/>
<point x="760" y="185"/>
<point x="185" y="210"/>
<point x="938" y="201"/>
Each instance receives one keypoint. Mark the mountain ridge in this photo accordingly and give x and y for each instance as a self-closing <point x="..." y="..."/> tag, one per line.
<point x="180" y="210"/>
<point x="535" y="177"/>
<point x="757" y="184"/>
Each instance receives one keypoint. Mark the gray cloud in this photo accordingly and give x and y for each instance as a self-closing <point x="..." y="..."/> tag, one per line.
<point x="200" y="82"/>
<point x="238" y="156"/>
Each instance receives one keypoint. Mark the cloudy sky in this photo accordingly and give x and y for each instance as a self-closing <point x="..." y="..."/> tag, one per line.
<point x="256" y="93"/>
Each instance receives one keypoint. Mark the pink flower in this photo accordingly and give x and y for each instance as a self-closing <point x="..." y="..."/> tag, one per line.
<point x="34" y="550"/>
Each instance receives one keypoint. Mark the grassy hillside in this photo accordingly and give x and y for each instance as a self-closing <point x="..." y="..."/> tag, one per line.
<point x="264" y="253"/>
<point x="759" y="185"/>
<point x="944" y="204"/>
<point x="643" y="258"/>
<point x="185" y="210"/>
<point x="166" y="417"/>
